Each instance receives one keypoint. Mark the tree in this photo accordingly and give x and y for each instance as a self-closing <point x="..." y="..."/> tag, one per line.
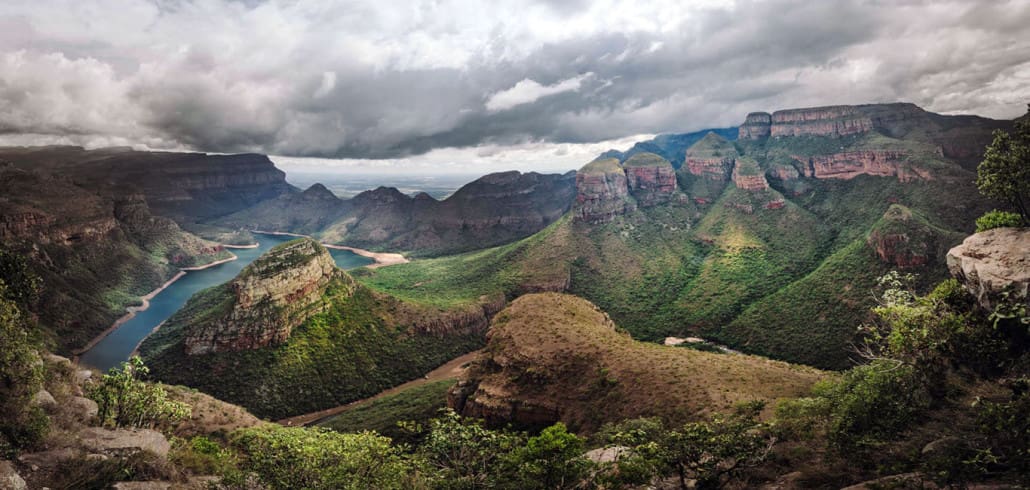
<point x="552" y="460"/>
<point x="1004" y="172"/>
<point x="710" y="452"/>
<point x="21" y="377"/>
<point x="125" y="400"/>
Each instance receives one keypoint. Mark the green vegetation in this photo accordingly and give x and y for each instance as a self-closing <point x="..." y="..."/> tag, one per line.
<point x="353" y="350"/>
<point x="125" y="400"/>
<point x="23" y="424"/>
<point x="384" y="415"/>
<point x="998" y="219"/>
<point x="646" y="159"/>
<point x="601" y="166"/>
<point x="1004" y="172"/>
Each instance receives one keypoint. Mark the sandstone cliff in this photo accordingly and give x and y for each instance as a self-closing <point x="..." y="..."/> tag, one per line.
<point x="850" y="164"/>
<point x="651" y="179"/>
<point x="832" y="121"/>
<point x="994" y="264"/>
<point x="272" y="296"/>
<point x="602" y="191"/>
<point x="757" y="125"/>
<point x="748" y="176"/>
<point x="712" y="157"/>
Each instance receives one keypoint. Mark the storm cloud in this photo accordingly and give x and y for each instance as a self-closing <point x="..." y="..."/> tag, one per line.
<point x="386" y="80"/>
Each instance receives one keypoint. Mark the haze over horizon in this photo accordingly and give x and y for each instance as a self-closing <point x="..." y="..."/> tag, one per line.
<point x="470" y="87"/>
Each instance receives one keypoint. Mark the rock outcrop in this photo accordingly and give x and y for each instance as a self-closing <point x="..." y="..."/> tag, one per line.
<point x="757" y="125"/>
<point x="833" y="121"/>
<point x="712" y="157"/>
<point x="748" y="176"/>
<point x="602" y="192"/>
<point x="273" y="295"/>
<point x="651" y="179"/>
<point x="850" y="164"/>
<point x="901" y="238"/>
<point x="993" y="264"/>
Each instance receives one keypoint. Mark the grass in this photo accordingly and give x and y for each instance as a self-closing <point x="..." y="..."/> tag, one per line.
<point x="646" y="159"/>
<point x="558" y="350"/>
<point x="601" y="166"/>
<point x="418" y="404"/>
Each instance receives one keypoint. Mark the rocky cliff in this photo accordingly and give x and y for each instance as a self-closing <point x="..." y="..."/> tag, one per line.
<point x="748" y="176"/>
<point x="268" y="299"/>
<point x="554" y="357"/>
<point x="602" y="191"/>
<point x="850" y="164"/>
<point x="903" y="239"/>
<point x="993" y="265"/>
<point x="832" y="121"/>
<point x="188" y="187"/>
<point x="712" y="157"/>
<point x="651" y="179"/>
<point x="757" y="125"/>
<point x="97" y="249"/>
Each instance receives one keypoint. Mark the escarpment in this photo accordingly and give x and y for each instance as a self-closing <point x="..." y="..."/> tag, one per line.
<point x="757" y="125"/>
<point x="712" y="157"/>
<point x="835" y="121"/>
<point x="850" y="164"/>
<point x="270" y="298"/>
<point x="748" y="176"/>
<point x="602" y="191"/>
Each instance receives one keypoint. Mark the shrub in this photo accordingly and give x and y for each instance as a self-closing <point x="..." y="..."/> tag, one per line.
<point x="125" y="400"/>
<point x="552" y="460"/>
<point x="316" y="458"/>
<point x="710" y="452"/>
<point x="21" y="377"/>
<point x="998" y="219"/>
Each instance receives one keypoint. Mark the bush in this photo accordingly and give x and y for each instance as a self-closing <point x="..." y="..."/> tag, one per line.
<point x="21" y="377"/>
<point x="998" y="219"/>
<point x="125" y="400"/>
<point x="552" y="460"/>
<point x="315" y="459"/>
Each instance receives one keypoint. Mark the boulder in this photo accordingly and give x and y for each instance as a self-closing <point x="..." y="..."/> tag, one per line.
<point x="904" y="480"/>
<point x="9" y="478"/>
<point x="84" y="408"/>
<point x="47" y="459"/>
<point x="124" y="441"/>
<point x="44" y="399"/>
<point x="607" y="454"/>
<point x="56" y="359"/>
<point x="992" y="264"/>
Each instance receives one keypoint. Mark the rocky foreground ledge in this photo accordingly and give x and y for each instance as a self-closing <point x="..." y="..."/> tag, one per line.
<point x="994" y="264"/>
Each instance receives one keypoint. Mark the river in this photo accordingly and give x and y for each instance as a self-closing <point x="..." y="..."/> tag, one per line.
<point x="120" y="343"/>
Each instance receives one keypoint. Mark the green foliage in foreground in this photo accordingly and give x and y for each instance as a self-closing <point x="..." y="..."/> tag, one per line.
<point x="21" y="377"/>
<point x="998" y="219"/>
<point x="125" y="400"/>
<point x="1004" y="172"/>
<point x="419" y="404"/>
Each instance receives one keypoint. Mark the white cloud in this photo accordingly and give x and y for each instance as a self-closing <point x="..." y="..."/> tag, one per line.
<point x="527" y="91"/>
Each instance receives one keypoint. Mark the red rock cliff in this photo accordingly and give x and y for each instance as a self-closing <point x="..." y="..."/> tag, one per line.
<point x="832" y="121"/>
<point x="850" y="164"/>
<point x="602" y="192"/>
<point x="757" y="125"/>
<point x="650" y="178"/>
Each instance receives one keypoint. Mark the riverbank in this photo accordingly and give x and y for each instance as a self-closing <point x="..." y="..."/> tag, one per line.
<point x="254" y="245"/>
<point x="131" y="311"/>
<point x="382" y="259"/>
<point x="452" y="369"/>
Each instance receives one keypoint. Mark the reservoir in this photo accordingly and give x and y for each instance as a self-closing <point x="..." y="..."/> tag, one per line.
<point x="119" y="344"/>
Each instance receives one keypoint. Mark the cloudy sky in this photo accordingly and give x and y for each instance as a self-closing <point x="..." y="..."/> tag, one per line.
<point x="493" y="84"/>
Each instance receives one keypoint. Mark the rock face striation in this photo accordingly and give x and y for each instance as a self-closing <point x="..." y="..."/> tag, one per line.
<point x="903" y="238"/>
<point x="602" y="191"/>
<point x="273" y="295"/>
<point x="756" y="126"/>
<point x="834" y="121"/>
<point x="748" y="176"/>
<point x="850" y="164"/>
<point x="712" y="157"/>
<point x="651" y="179"/>
<point x="993" y="264"/>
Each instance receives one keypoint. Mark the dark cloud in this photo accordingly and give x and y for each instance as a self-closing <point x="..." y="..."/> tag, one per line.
<point x="364" y="81"/>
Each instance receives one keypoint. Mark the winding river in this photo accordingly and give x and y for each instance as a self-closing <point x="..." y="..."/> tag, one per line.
<point x="119" y="344"/>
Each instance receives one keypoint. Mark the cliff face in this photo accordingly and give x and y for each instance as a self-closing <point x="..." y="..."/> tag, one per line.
<point x="905" y="239"/>
<point x="96" y="249"/>
<point x="832" y="121"/>
<point x="650" y="179"/>
<point x="273" y="295"/>
<point x="994" y="263"/>
<point x="188" y="187"/>
<point x="712" y="157"/>
<point x="757" y="125"/>
<point x="850" y="164"/>
<point x="602" y="192"/>
<point x="747" y="175"/>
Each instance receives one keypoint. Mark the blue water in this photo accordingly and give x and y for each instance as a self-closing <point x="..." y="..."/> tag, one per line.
<point x="119" y="344"/>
